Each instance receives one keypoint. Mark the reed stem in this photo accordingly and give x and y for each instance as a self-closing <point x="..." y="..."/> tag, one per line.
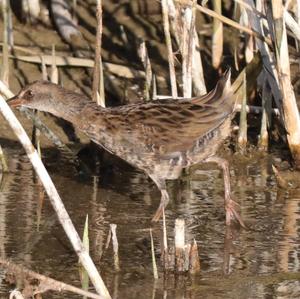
<point x="5" y="50"/>
<point x="229" y="22"/>
<point x="169" y="48"/>
<point x="98" y="94"/>
<point x="4" y="74"/>
<point x="143" y="53"/>
<point x="187" y="49"/>
<point x="3" y="160"/>
<point x="154" y="266"/>
<point x="165" y="242"/>
<point x="242" y="138"/>
<point x="54" y="70"/>
<point x="217" y="37"/>
<point x="266" y="117"/>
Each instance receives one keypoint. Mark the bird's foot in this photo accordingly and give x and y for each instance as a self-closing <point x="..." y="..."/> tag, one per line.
<point x="163" y="203"/>
<point x="158" y="213"/>
<point x="233" y="212"/>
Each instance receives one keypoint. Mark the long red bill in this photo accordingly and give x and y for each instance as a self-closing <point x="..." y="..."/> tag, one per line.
<point x="15" y="102"/>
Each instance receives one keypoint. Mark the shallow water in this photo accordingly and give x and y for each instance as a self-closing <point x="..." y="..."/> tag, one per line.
<point x="261" y="262"/>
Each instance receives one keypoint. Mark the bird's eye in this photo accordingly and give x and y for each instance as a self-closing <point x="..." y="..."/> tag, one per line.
<point x="28" y="94"/>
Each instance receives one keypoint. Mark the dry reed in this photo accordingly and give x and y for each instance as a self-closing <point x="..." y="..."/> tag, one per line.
<point x="55" y="199"/>
<point x="98" y="93"/>
<point x="187" y="48"/>
<point x="54" y="69"/>
<point x="5" y="48"/>
<point x="242" y="138"/>
<point x="169" y="48"/>
<point x="290" y="109"/>
<point x="154" y="266"/>
<point x="217" y="36"/>
<point x="266" y="117"/>
<point x="143" y="53"/>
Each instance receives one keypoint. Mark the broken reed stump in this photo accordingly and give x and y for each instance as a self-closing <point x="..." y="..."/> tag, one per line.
<point x="179" y="246"/>
<point x="182" y="258"/>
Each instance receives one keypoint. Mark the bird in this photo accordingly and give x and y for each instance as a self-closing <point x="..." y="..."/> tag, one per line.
<point x="160" y="137"/>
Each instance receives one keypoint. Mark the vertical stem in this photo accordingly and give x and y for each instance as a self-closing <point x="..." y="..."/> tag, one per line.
<point x="217" y="38"/>
<point x="74" y="7"/>
<point x="290" y="109"/>
<point x="199" y="87"/>
<point x="154" y="266"/>
<point x="266" y="104"/>
<point x="5" y="60"/>
<point x="5" y="64"/>
<point x="53" y="79"/>
<point x="54" y="70"/>
<point x="298" y="22"/>
<point x="44" y="69"/>
<point x="10" y="28"/>
<point x="3" y="160"/>
<point x="147" y="66"/>
<point x="154" y="88"/>
<point x="187" y="50"/>
<point x="242" y="138"/>
<point x="179" y="245"/>
<point x="174" y="12"/>
<point x="98" y="80"/>
<point x="169" y="47"/>
<point x="165" y="242"/>
<point x="249" y="39"/>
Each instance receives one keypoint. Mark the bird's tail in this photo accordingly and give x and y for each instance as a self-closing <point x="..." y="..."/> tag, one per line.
<point x="221" y="95"/>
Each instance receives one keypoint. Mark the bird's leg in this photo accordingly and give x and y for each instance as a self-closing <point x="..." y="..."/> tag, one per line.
<point x="161" y="184"/>
<point x="230" y="205"/>
<point x="163" y="203"/>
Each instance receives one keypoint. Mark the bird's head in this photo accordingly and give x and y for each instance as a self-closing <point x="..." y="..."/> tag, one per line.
<point x="37" y="95"/>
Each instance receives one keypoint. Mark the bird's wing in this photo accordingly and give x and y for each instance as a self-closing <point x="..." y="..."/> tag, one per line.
<point x="173" y="129"/>
<point x="167" y="127"/>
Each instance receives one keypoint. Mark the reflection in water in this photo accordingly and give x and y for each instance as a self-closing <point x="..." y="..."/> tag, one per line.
<point x="288" y="253"/>
<point x="97" y="216"/>
<point x="260" y="262"/>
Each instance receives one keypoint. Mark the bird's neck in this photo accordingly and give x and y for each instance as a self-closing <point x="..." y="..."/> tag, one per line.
<point x="73" y="108"/>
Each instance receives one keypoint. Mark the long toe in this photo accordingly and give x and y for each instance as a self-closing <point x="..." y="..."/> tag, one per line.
<point x="158" y="213"/>
<point x="163" y="203"/>
<point x="160" y="210"/>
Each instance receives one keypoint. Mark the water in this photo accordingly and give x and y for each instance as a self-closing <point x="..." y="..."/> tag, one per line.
<point x="261" y="262"/>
